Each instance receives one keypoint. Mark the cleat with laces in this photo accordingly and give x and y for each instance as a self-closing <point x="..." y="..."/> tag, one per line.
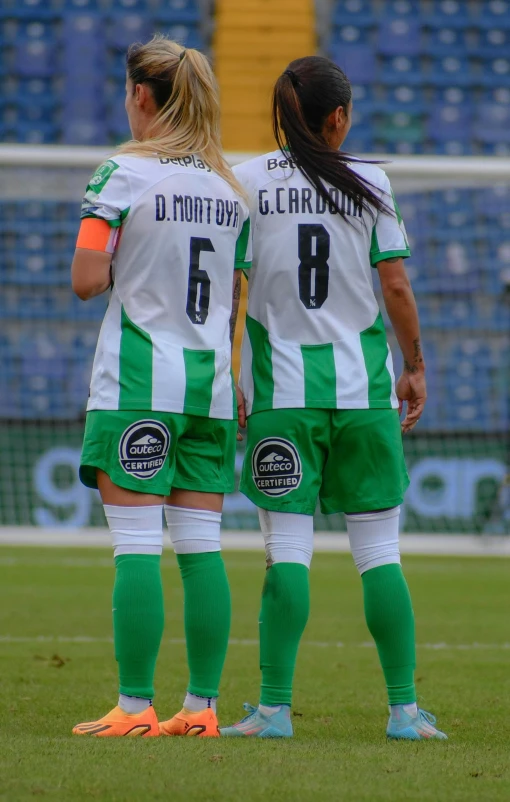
<point x="117" y="723"/>
<point x="201" y="725"/>
<point x="404" y="726"/>
<point x="259" y="725"/>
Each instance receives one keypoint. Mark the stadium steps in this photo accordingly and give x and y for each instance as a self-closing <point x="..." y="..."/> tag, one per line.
<point x="253" y="44"/>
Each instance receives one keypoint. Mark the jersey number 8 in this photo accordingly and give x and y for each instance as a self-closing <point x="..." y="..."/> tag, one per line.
<point x="313" y="275"/>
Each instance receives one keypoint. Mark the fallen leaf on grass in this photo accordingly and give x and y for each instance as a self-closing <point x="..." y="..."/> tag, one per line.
<point x="216" y="758"/>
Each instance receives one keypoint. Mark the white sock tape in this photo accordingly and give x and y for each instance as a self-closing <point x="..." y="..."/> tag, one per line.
<point x="193" y="531"/>
<point x="135" y="530"/>
<point x="288" y="537"/>
<point x="373" y="537"/>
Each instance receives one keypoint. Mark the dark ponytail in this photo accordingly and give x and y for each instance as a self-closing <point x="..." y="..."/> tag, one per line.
<point x="303" y="97"/>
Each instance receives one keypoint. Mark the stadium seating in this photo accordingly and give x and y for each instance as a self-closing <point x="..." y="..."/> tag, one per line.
<point x="428" y="77"/>
<point x="67" y="56"/>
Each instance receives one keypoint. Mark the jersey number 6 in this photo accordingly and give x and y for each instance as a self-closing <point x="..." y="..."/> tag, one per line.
<point x="199" y="283"/>
<point x="313" y="252"/>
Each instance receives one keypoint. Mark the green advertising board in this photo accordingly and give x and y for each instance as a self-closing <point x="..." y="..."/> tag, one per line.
<point x="458" y="483"/>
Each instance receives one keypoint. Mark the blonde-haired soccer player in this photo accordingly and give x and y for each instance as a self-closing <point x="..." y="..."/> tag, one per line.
<point x="165" y="226"/>
<point x="320" y="392"/>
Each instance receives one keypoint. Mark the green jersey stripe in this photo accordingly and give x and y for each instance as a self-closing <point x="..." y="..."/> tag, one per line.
<point x="382" y="255"/>
<point x="200" y="371"/>
<point x="262" y="365"/>
<point x="242" y="246"/>
<point x="375" y="354"/>
<point x="135" y="368"/>
<point x="320" y="375"/>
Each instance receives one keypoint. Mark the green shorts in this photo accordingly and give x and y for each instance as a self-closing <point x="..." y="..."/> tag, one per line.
<point x="352" y="460"/>
<point x="151" y="452"/>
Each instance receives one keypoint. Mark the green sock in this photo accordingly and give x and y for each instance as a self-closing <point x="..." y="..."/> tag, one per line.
<point x="283" y="616"/>
<point x="138" y="621"/>
<point x="206" y="619"/>
<point x="390" y="619"/>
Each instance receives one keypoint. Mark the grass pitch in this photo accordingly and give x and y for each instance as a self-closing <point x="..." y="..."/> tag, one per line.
<point x="57" y="668"/>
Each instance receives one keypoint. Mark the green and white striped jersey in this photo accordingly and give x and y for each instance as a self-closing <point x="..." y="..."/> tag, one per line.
<point x="165" y="340"/>
<point x="314" y="333"/>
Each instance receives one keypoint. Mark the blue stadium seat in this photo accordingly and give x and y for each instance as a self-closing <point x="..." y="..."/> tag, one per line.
<point x="84" y="5"/>
<point x="492" y="123"/>
<point x="124" y="29"/>
<point x="492" y="43"/>
<point x="186" y="34"/>
<point x="354" y="12"/>
<point x="117" y="118"/>
<point x="405" y="98"/>
<point x="399" y="37"/>
<point x="359" y="141"/>
<point x="501" y="149"/>
<point x="35" y="58"/>
<point x="33" y="10"/>
<point x="448" y="123"/>
<point x="83" y="45"/>
<point x="451" y="148"/>
<point x="45" y="30"/>
<point x="36" y="133"/>
<point x="449" y="13"/>
<point x="351" y="34"/>
<point x="174" y="12"/>
<point x="494" y="14"/>
<point x="357" y="61"/>
<point x="447" y="42"/>
<point x="401" y="70"/>
<point x="453" y="95"/>
<point x="400" y="8"/>
<point x="83" y="132"/>
<point x="449" y="71"/>
<point x="495" y="72"/>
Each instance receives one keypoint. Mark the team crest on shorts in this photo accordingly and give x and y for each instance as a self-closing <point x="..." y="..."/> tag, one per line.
<point x="276" y="466"/>
<point x="143" y="448"/>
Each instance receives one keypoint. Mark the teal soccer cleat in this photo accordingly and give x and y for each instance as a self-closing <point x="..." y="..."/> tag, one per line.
<point x="260" y="725"/>
<point x="404" y="726"/>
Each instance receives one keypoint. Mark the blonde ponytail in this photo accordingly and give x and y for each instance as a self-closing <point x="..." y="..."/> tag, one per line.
<point x="186" y="93"/>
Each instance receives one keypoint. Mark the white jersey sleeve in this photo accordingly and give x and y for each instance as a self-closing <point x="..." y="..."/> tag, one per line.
<point x="108" y="195"/>
<point x="389" y="237"/>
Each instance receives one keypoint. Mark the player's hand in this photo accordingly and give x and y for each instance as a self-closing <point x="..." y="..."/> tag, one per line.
<point x="411" y="387"/>
<point x="241" y="411"/>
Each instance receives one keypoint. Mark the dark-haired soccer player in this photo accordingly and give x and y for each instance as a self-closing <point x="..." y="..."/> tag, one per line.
<point x="320" y="392"/>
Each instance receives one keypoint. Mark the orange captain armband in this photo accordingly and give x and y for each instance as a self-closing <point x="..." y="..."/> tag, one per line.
<point x="96" y="235"/>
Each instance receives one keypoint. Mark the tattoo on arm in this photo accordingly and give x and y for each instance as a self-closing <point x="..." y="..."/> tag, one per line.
<point x="415" y="365"/>
<point x="236" y="295"/>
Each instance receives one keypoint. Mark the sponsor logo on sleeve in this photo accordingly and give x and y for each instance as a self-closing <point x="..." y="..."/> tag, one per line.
<point x="102" y="175"/>
<point x="276" y="466"/>
<point x="143" y="448"/>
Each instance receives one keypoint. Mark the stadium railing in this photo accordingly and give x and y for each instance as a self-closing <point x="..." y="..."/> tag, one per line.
<point x="457" y="214"/>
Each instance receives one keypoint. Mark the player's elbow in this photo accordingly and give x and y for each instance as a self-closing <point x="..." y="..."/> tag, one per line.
<point x="90" y="275"/>
<point x="83" y="288"/>
<point x="396" y="290"/>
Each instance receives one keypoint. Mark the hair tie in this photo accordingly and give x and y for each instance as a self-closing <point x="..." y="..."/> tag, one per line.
<point x="182" y="54"/>
<point x="293" y="77"/>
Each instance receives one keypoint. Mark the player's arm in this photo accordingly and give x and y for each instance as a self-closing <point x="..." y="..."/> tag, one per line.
<point x="236" y="297"/>
<point x="90" y="270"/>
<point x="401" y="307"/>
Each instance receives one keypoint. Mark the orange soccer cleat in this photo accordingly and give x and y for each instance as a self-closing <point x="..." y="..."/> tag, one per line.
<point x="203" y="724"/>
<point x="117" y="723"/>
